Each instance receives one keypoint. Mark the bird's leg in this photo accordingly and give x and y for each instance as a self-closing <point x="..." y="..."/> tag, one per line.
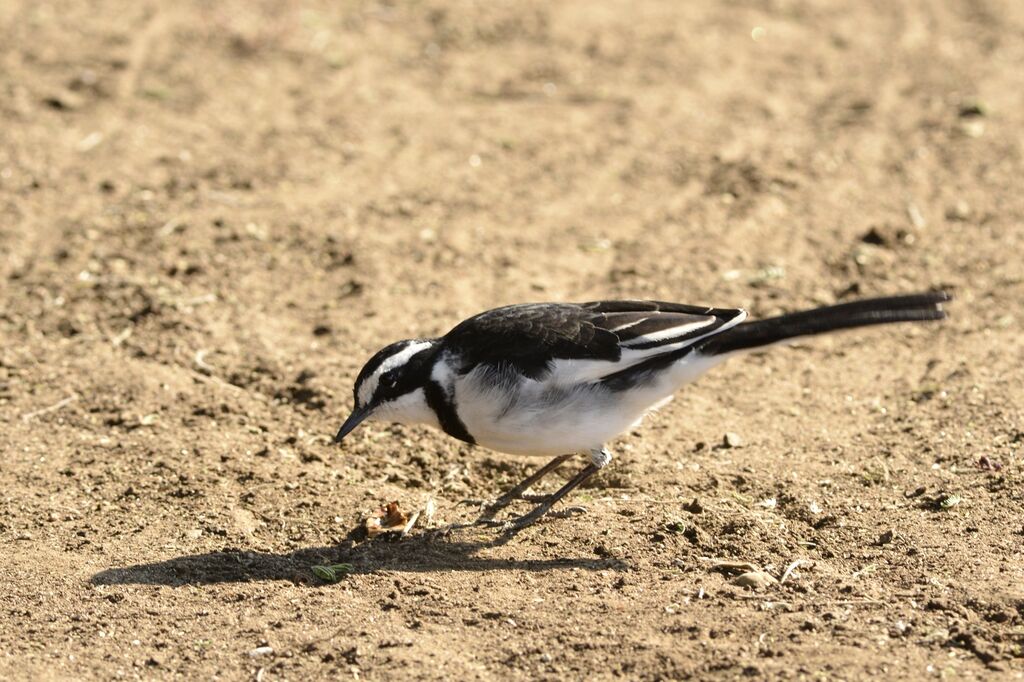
<point x="599" y="458"/>
<point x="518" y="491"/>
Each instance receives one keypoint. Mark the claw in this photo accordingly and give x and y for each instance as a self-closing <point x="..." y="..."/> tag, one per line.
<point x="481" y="504"/>
<point x="568" y="512"/>
<point x="521" y="492"/>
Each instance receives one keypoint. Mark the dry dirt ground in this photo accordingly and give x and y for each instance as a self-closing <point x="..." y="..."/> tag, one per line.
<point x="212" y="213"/>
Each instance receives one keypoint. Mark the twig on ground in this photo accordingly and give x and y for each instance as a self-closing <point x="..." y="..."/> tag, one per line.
<point x="791" y="568"/>
<point x="200" y="361"/>
<point x="120" y="337"/>
<point x="140" y="49"/>
<point x="28" y="416"/>
<point x="211" y="379"/>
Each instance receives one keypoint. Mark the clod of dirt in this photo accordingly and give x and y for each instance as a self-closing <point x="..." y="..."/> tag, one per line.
<point x="732" y="440"/>
<point x="64" y="100"/>
<point x="959" y="212"/>
<point x="694" y="507"/>
<point x="971" y="110"/>
<point x="886" y="537"/>
<point x="755" y="580"/>
<point x="875" y="236"/>
<point x="887" y="236"/>
<point x="986" y="464"/>
<point x="696" y="536"/>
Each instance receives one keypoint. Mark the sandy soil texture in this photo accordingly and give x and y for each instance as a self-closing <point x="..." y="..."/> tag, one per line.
<point x="212" y="213"/>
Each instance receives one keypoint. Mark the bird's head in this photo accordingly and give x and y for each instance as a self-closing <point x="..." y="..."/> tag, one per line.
<point x="390" y="386"/>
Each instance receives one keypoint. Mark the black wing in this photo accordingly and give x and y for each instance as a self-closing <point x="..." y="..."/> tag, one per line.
<point x="530" y="337"/>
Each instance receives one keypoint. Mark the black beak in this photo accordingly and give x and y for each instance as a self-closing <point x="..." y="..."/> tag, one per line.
<point x="354" y="419"/>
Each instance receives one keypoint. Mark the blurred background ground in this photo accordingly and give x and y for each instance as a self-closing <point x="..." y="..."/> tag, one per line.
<point x="212" y="213"/>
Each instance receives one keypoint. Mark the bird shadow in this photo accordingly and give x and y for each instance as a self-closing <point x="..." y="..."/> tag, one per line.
<point x="427" y="553"/>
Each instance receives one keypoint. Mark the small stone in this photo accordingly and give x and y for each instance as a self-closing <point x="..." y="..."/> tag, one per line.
<point x="694" y="507"/>
<point x="960" y="211"/>
<point x="971" y="110"/>
<point x="875" y="236"/>
<point x="755" y="580"/>
<point x="972" y="127"/>
<point x="261" y="651"/>
<point x="916" y="492"/>
<point x="916" y="217"/>
<point x="696" y="536"/>
<point x="732" y="440"/>
<point x="886" y="537"/>
<point x="64" y="100"/>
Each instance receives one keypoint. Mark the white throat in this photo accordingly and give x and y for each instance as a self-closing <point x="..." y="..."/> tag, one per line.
<point x="411" y="408"/>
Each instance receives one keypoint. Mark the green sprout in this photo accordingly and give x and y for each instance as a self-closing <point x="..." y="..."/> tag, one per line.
<point x="332" y="573"/>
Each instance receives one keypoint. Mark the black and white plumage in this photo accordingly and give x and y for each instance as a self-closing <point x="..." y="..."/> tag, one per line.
<point x="562" y="378"/>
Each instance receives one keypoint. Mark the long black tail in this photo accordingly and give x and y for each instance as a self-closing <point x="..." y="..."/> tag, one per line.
<point x="912" y="308"/>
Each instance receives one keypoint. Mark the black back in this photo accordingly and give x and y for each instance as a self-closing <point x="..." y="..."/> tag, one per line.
<point x="528" y="336"/>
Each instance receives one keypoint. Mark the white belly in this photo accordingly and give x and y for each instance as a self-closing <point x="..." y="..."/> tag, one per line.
<point x="551" y="417"/>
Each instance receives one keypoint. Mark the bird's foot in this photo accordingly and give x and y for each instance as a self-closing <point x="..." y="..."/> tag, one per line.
<point x="479" y="503"/>
<point x="489" y="507"/>
<point x="569" y="512"/>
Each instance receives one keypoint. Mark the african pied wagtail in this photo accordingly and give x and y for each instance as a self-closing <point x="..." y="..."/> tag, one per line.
<point x="565" y="378"/>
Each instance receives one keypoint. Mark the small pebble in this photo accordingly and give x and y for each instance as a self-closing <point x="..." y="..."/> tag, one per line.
<point x="64" y="100"/>
<point x="972" y="127"/>
<point x="756" y="580"/>
<point x="960" y="211"/>
<point x="261" y="651"/>
<point x="732" y="440"/>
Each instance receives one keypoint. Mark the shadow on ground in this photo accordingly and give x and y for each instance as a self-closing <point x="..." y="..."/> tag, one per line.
<point x="424" y="554"/>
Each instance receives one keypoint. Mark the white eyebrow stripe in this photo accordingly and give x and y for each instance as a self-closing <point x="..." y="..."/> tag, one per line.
<point x="369" y="386"/>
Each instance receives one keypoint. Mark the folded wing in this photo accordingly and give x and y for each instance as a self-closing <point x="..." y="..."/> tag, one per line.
<point x="572" y="343"/>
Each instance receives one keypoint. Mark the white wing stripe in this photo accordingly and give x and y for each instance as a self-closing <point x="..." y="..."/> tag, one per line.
<point x="571" y="372"/>
<point x="670" y="333"/>
<point x="629" y="324"/>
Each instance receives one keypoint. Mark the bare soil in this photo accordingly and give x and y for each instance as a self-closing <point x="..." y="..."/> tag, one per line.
<point x="212" y="213"/>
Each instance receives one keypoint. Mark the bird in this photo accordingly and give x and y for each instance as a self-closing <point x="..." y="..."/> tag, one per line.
<point x="562" y="379"/>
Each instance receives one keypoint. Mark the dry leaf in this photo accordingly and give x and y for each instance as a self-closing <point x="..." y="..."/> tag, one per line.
<point x="390" y="519"/>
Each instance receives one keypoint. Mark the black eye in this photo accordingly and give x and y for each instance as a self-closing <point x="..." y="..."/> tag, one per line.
<point x="388" y="381"/>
